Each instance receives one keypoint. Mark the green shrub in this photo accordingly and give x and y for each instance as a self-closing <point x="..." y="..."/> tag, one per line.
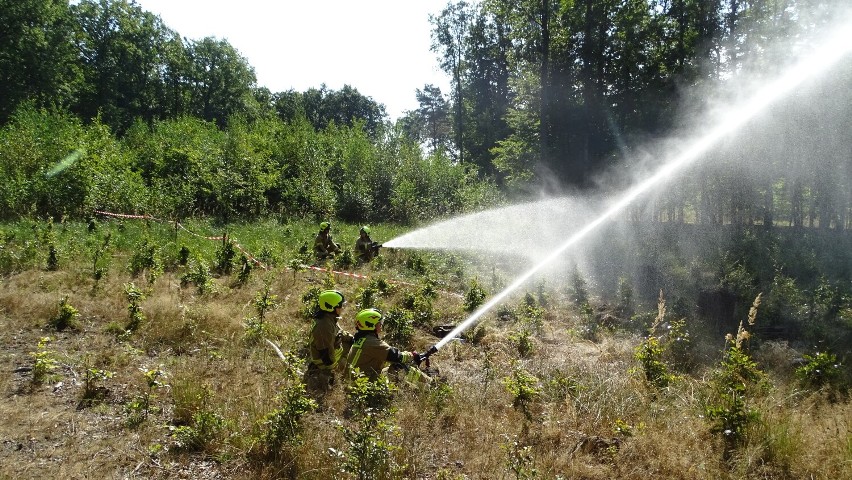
<point x="819" y="370"/>
<point x="66" y="317"/>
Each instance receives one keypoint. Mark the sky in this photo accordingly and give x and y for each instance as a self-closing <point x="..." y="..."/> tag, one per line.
<point x="379" y="47"/>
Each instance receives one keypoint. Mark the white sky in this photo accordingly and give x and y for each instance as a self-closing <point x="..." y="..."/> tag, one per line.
<point x="379" y="47"/>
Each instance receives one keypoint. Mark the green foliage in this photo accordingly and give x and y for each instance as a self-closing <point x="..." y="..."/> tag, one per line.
<point x="256" y="327"/>
<point x="363" y="395"/>
<point x="420" y="307"/>
<point x="578" y="292"/>
<point x="369" y="453"/>
<point x="398" y="326"/>
<point x="66" y="317"/>
<point x="198" y="274"/>
<point x="45" y="361"/>
<point x="283" y="426"/>
<point x="146" y="259"/>
<point x="310" y="302"/>
<point x="524" y="388"/>
<point x="523" y="342"/>
<point x="225" y="257"/>
<point x="201" y="434"/>
<point x="735" y="381"/>
<point x="819" y="370"/>
<point x="141" y="406"/>
<point x="246" y="267"/>
<point x="625" y="306"/>
<point x="519" y="459"/>
<point x="559" y="386"/>
<point x="474" y="297"/>
<point x="649" y="354"/>
<point x="134" y="297"/>
<point x="93" y="388"/>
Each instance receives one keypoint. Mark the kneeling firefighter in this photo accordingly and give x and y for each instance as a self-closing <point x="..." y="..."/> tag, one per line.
<point x="370" y="355"/>
<point x="328" y="343"/>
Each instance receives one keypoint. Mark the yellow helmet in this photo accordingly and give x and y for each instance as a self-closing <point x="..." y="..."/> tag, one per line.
<point x="368" y="319"/>
<point x="325" y="226"/>
<point x="365" y="229"/>
<point x="330" y="299"/>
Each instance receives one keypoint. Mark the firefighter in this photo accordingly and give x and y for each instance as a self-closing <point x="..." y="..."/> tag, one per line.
<point x="324" y="246"/>
<point x="369" y="354"/>
<point x="328" y="342"/>
<point x="365" y="248"/>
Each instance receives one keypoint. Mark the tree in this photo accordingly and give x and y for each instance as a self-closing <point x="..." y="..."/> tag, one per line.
<point x="220" y="80"/>
<point x="433" y="118"/>
<point x="37" y="55"/>
<point x="122" y="52"/>
<point x="449" y="35"/>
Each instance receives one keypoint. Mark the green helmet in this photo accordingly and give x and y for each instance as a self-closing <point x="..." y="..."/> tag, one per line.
<point x="324" y="226"/>
<point x="368" y="319"/>
<point x="365" y="229"/>
<point x="330" y="299"/>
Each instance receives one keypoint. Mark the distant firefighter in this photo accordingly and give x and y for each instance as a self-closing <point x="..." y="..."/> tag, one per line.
<point x="324" y="246"/>
<point x="365" y="248"/>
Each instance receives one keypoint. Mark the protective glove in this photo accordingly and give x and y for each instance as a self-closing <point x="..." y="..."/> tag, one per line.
<point x="416" y="358"/>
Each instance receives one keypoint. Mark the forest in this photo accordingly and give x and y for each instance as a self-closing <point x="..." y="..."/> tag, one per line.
<point x="158" y="287"/>
<point x="545" y="96"/>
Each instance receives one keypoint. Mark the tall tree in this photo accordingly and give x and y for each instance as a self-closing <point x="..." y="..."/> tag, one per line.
<point x="38" y="61"/>
<point x="449" y="39"/>
<point x="220" y="80"/>
<point x="122" y="50"/>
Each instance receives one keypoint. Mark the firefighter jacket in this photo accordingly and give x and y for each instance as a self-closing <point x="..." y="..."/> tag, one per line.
<point x="324" y="245"/>
<point x="370" y="354"/>
<point x="364" y="248"/>
<point x="327" y="341"/>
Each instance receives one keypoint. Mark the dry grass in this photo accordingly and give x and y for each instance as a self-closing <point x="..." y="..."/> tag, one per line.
<point x="594" y="418"/>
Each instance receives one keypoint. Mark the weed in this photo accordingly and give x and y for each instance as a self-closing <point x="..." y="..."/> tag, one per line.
<point x="310" y="302"/>
<point x="45" y="361"/>
<point x="344" y="260"/>
<point x="100" y="265"/>
<point x="650" y="353"/>
<point x="524" y="388"/>
<point x="519" y="459"/>
<point x="198" y="274"/>
<point x="819" y="370"/>
<point x="134" y="297"/>
<point x="625" y="306"/>
<point x="474" y="297"/>
<point x="282" y="427"/>
<point x="93" y="388"/>
<point x="140" y="406"/>
<point x="363" y="394"/>
<point x="256" y="327"/>
<point x="559" y="386"/>
<point x="146" y="258"/>
<point x="52" y="258"/>
<point x="246" y="267"/>
<point x="523" y="342"/>
<point x="736" y="379"/>
<point x="183" y="255"/>
<point x="66" y="317"/>
<point x="225" y="256"/>
<point x="204" y="426"/>
<point x="579" y="290"/>
<point x="369" y="454"/>
<point x="398" y="326"/>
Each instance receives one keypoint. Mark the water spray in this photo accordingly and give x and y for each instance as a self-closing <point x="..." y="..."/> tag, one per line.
<point x="832" y="50"/>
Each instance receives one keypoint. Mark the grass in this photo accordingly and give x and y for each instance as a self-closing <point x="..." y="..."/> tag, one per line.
<point x="190" y="394"/>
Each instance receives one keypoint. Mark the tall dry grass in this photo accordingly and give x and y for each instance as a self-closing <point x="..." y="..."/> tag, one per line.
<point x="590" y="413"/>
